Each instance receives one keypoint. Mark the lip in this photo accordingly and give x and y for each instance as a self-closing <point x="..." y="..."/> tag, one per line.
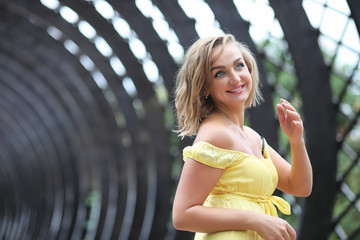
<point x="236" y="90"/>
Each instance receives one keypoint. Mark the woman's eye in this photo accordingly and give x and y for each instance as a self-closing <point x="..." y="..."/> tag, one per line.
<point x="219" y="74"/>
<point x="239" y="65"/>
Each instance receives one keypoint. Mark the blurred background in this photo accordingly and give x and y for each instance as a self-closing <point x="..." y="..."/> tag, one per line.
<point x="87" y="149"/>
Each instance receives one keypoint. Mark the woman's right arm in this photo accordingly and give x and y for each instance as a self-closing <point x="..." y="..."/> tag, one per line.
<point x="195" y="184"/>
<point x="189" y="214"/>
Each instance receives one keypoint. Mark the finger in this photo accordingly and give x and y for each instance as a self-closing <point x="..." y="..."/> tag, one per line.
<point x="292" y="233"/>
<point x="285" y="101"/>
<point x="289" y="233"/>
<point x="286" y="234"/>
<point x="293" y="115"/>
<point x="281" y="112"/>
<point x="287" y="105"/>
<point x="298" y="125"/>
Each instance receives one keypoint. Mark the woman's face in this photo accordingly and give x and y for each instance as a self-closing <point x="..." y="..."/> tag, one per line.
<point x="230" y="82"/>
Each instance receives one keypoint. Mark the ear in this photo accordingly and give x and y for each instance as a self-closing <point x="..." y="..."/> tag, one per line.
<point x="205" y="94"/>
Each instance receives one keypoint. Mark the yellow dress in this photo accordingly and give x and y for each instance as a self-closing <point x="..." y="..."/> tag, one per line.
<point x="247" y="183"/>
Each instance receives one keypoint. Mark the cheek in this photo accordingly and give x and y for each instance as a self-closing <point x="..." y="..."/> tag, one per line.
<point x="251" y="84"/>
<point x="217" y="84"/>
<point x="249" y="77"/>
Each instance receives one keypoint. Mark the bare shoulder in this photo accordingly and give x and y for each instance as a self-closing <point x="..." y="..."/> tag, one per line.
<point x="252" y="134"/>
<point x="215" y="131"/>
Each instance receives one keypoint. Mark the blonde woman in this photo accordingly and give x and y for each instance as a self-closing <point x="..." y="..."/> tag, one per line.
<point x="230" y="173"/>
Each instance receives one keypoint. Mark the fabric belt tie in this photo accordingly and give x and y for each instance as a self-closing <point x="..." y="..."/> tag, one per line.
<point x="281" y="204"/>
<point x="269" y="202"/>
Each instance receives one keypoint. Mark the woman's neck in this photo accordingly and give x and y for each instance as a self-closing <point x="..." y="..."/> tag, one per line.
<point x="234" y="117"/>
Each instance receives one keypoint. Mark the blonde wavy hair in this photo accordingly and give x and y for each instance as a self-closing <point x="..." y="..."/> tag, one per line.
<point x="193" y="79"/>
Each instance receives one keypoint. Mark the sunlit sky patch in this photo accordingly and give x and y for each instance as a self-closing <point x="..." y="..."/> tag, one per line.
<point x="68" y="14"/>
<point x="86" y="29"/>
<point x="162" y="28"/>
<point x="104" y="8"/>
<point x="205" y="22"/>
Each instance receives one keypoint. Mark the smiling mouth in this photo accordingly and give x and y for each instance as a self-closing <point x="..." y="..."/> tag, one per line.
<point x="235" y="90"/>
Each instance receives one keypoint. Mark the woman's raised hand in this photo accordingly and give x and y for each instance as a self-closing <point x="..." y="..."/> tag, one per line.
<point x="290" y="121"/>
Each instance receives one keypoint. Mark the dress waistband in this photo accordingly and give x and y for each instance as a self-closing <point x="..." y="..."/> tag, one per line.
<point x="271" y="201"/>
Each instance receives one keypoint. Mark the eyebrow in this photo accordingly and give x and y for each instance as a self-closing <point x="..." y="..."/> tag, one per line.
<point x="222" y="67"/>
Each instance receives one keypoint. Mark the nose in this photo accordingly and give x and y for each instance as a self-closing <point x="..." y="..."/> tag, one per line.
<point x="235" y="76"/>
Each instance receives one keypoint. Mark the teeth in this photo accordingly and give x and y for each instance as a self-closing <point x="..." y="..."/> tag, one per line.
<point x="237" y="89"/>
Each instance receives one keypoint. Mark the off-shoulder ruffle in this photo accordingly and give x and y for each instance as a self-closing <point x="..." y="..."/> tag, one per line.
<point x="210" y="155"/>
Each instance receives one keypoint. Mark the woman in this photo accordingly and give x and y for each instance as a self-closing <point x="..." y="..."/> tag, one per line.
<point x="230" y="173"/>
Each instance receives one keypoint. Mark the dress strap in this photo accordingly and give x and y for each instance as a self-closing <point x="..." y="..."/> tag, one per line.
<point x="262" y="145"/>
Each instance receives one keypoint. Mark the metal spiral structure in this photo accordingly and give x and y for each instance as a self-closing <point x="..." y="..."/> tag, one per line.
<point x="86" y="143"/>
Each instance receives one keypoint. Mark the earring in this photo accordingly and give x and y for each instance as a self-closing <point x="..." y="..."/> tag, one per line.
<point x="206" y="97"/>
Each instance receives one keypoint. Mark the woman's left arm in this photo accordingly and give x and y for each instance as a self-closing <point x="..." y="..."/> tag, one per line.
<point x="295" y="179"/>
